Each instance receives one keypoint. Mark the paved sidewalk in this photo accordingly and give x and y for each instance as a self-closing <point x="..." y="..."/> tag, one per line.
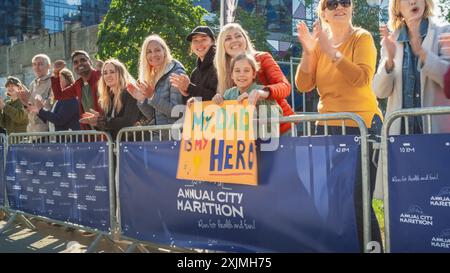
<point x="49" y="238"/>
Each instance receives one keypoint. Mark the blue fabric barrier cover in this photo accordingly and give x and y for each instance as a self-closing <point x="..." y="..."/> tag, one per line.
<point x="419" y="193"/>
<point x="303" y="203"/>
<point x="2" y="176"/>
<point x="67" y="182"/>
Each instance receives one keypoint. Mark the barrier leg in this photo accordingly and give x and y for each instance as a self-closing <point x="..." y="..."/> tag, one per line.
<point x="9" y="224"/>
<point x="91" y="248"/>
<point x="94" y="244"/>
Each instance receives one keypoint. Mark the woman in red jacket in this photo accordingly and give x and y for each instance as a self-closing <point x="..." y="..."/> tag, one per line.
<point x="233" y="40"/>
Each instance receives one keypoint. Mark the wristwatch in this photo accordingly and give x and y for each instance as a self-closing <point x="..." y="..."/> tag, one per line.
<point x="337" y="56"/>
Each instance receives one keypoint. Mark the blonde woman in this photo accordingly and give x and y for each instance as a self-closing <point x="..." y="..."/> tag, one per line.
<point x="155" y="94"/>
<point x="339" y="60"/>
<point x="411" y="69"/>
<point x="118" y="105"/>
<point x="233" y="40"/>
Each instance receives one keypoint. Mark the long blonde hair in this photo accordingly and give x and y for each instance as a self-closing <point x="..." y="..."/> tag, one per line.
<point x="222" y="60"/>
<point x="147" y="73"/>
<point x="396" y="19"/>
<point x="105" y="91"/>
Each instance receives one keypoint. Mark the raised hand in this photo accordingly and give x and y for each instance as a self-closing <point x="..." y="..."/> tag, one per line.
<point x="24" y="95"/>
<point x="324" y="41"/>
<point x="135" y="93"/>
<point x="180" y="82"/>
<point x="218" y="99"/>
<point x="307" y="40"/>
<point x="388" y="42"/>
<point x="58" y="66"/>
<point x="146" y="89"/>
<point x="256" y="95"/>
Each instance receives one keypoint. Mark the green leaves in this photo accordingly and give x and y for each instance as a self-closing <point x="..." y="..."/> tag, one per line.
<point x="128" y="23"/>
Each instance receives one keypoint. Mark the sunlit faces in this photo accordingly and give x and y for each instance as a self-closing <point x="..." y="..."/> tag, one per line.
<point x="63" y="82"/>
<point x="243" y="74"/>
<point x="11" y="91"/>
<point x="81" y="64"/>
<point x="110" y="75"/>
<point x="234" y="42"/>
<point x="40" y="67"/>
<point x="338" y="11"/>
<point x="201" y="44"/>
<point x="155" y="54"/>
<point x="411" y="9"/>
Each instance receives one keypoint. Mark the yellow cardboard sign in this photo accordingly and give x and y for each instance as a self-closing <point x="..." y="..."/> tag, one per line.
<point x="218" y="144"/>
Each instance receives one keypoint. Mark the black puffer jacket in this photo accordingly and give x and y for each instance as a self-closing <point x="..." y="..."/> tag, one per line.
<point x="204" y="78"/>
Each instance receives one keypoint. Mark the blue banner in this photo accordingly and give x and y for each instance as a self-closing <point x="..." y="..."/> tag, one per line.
<point x="419" y="193"/>
<point x="66" y="182"/>
<point x="2" y="176"/>
<point x="303" y="202"/>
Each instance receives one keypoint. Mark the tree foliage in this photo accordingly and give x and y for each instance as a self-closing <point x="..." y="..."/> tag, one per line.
<point x="128" y="23"/>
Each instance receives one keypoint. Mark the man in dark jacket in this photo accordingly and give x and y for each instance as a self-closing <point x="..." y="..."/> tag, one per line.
<point x="203" y="81"/>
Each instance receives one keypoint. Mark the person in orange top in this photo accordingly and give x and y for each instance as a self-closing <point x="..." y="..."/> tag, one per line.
<point x="340" y="60"/>
<point x="233" y="40"/>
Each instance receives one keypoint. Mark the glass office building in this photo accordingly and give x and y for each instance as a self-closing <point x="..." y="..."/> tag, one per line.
<point x="19" y="19"/>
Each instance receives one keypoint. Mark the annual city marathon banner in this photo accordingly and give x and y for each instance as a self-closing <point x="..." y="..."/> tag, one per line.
<point x="419" y="192"/>
<point x="303" y="201"/>
<point x="67" y="182"/>
<point x="218" y="143"/>
<point x="2" y="177"/>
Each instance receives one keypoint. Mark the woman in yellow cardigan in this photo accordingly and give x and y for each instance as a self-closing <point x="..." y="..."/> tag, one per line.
<point x="339" y="60"/>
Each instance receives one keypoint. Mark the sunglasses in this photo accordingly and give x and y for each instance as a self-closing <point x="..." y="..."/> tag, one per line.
<point x="333" y="4"/>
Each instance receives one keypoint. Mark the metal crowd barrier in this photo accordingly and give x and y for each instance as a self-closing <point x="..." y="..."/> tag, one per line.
<point x="389" y="120"/>
<point x="134" y="133"/>
<point x="66" y="137"/>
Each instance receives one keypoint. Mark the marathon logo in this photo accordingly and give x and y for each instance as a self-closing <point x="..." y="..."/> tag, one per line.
<point x="49" y="164"/>
<point x="35" y="181"/>
<point x="442" y="199"/>
<point x="100" y="188"/>
<point x="64" y="184"/>
<point x="30" y="189"/>
<point x="17" y="187"/>
<point x="49" y="201"/>
<point x="56" y="193"/>
<point x="73" y="195"/>
<point x="80" y="166"/>
<point x="42" y="173"/>
<point x="81" y="207"/>
<point x="89" y="176"/>
<point x="10" y="178"/>
<point x="23" y="163"/>
<point x="416" y="216"/>
<point x="18" y="170"/>
<point x="56" y="174"/>
<point x="23" y="197"/>
<point x="442" y="241"/>
<point x="91" y="198"/>
<point x="43" y="191"/>
<point x="72" y="175"/>
<point x="29" y="172"/>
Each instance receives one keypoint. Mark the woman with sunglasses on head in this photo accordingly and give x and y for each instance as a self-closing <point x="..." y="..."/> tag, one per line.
<point x="412" y="65"/>
<point x="339" y="60"/>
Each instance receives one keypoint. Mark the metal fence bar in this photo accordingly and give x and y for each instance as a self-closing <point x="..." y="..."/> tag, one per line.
<point x="308" y="118"/>
<point x="74" y="137"/>
<point x="399" y="114"/>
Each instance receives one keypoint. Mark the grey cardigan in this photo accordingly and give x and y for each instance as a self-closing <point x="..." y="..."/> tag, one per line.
<point x="165" y="98"/>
